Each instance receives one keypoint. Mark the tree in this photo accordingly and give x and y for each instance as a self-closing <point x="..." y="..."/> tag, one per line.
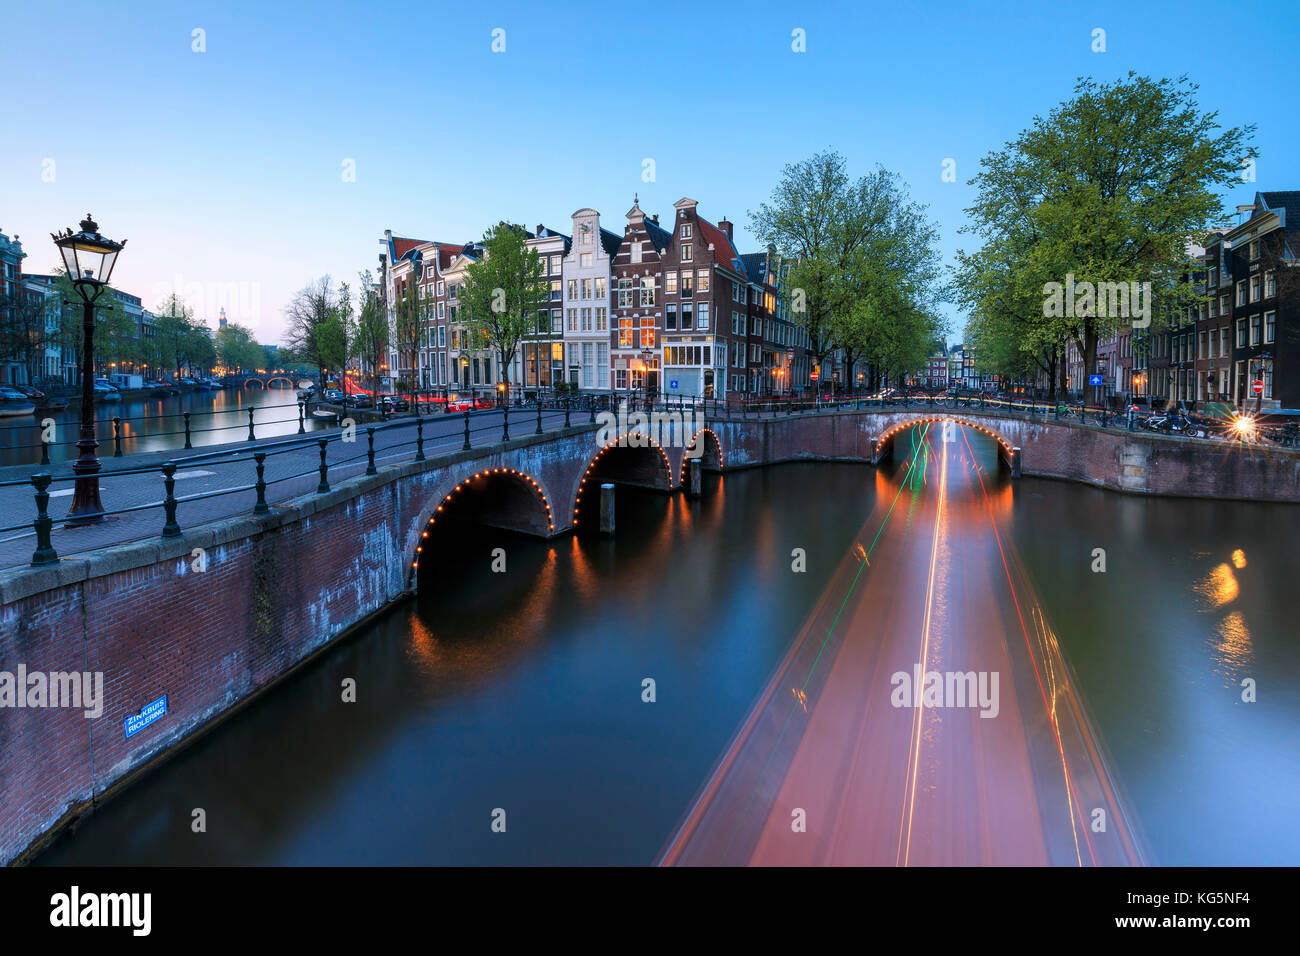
<point x="1110" y="187"/>
<point x="371" y="330"/>
<point x="308" y="311"/>
<point x="503" y="293"/>
<point x="115" y="333"/>
<point x="236" y="349"/>
<point x="862" y="253"/>
<point x="407" y="327"/>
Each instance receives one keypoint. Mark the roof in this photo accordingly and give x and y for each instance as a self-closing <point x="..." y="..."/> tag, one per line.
<point x="611" y="241"/>
<point x="398" y="247"/>
<point x="724" y="250"/>
<point x="1287" y="207"/>
<point x="658" y="235"/>
<point x="755" y="266"/>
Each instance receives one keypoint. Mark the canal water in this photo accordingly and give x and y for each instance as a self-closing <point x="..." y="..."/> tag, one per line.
<point x="156" y="424"/>
<point x="522" y="690"/>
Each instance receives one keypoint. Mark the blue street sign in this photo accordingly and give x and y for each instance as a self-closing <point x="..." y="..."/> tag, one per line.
<point x="673" y="383"/>
<point x="148" y="714"/>
<point x="1094" y="380"/>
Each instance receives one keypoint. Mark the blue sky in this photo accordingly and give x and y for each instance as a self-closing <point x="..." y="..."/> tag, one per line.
<point x="224" y="168"/>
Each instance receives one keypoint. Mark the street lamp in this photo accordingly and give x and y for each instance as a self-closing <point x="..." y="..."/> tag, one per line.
<point x="88" y="258"/>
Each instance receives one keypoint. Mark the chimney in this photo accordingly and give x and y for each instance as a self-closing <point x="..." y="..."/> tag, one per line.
<point x="540" y="227"/>
<point x="655" y="219"/>
<point x="725" y="226"/>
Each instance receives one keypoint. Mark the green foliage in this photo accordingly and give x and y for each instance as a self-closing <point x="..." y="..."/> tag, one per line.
<point x="503" y="293"/>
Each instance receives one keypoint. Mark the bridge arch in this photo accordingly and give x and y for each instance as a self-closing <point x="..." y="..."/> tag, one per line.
<point x="711" y="458"/>
<point x="288" y="382"/>
<point x="644" y="464"/>
<point x="499" y="497"/>
<point x="250" y="380"/>
<point x="1007" y="452"/>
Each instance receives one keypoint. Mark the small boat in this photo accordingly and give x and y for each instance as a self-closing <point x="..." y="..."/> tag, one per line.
<point x="52" y="403"/>
<point x="324" y="414"/>
<point x="12" y="409"/>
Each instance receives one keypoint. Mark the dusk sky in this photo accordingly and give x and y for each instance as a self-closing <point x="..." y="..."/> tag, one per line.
<point x="225" y="168"/>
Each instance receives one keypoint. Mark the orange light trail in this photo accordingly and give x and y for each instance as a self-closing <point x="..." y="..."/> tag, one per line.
<point x="1071" y="795"/>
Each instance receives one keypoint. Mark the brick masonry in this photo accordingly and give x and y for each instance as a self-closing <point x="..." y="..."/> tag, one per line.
<point x="282" y="586"/>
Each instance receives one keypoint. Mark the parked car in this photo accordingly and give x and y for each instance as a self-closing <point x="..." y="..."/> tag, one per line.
<point x="360" y="401"/>
<point x="393" y="403"/>
<point x="332" y="395"/>
<point x="106" y="392"/>
<point x="32" y="393"/>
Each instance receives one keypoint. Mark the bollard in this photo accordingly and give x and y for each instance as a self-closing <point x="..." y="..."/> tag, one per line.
<point x="694" y="477"/>
<point x="566" y="411"/>
<point x="591" y="401"/>
<point x="607" y="510"/>
<point x="45" y="450"/>
<point x="261" y="507"/>
<point x="465" y="447"/>
<point x="170" y="528"/>
<point x="505" y="422"/>
<point x="539" y="416"/>
<point x="251" y="436"/>
<point x="1015" y="462"/>
<point x="324" y="485"/>
<point x="117" y="439"/>
<point x="187" y="430"/>
<point x="302" y="410"/>
<point x="419" y="439"/>
<point x="370" y="451"/>
<point x="44" y="553"/>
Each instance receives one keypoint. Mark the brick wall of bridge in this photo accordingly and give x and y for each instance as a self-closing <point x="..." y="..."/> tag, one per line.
<point x="280" y="587"/>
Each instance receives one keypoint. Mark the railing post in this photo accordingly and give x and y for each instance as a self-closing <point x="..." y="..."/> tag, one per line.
<point x="370" y="451"/>
<point x="187" y="430"/>
<point x="324" y="484"/>
<point x="251" y="436"/>
<point x="261" y="507"/>
<point x="170" y="528"/>
<point x="465" y="447"/>
<point x="419" y="439"/>
<point x="505" y="422"/>
<point x="591" y="403"/>
<point x="302" y="410"/>
<point x="45" y="449"/>
<point x="566" y="411"/>
<point x="44" y="553"/>
<point x="117" y="438"/>
<point x="539" y="414"/>
<point x="1083" y="412"/>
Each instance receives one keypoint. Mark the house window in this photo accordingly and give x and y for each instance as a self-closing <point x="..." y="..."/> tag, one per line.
<point x="1223" y="305"/>
<point x="1256" y="328"/>
<point x="586" y="288"/>
<point x="600" y="287"/>
<point x="442" y="336"/>
<point x="1270" y="284"/>
<point x="625" y="333"/>
<point x="1270" y="321"/>
<point x="625" y="293"/>
<point x="572" y="316"/>
<point x="1223" y="341"/>
<point x="647" y="332"/>
<point x="584" y="260"/>
<point x="686" y="231"/>
<point x="702" y="315"/>
<point x="441" y="288"/>
<point x="1241" y="292"/>
<point x="670" y="317"/>
<point x="648" y="291"/>
<point x="573" y="288"/>
<point x="1254" y="250"/>
<point x="688" y="284"/>
<point x="686" y="252"/>
<point x="541" y="265"/>
<point x="602" y="319"/>
<point x="555" y="320"/>
<point x="440" y="312"/>
<point x="1254" y="288"/>
<point x="556" y="290"/>
<point x="555" y="265"/>
<point x="586" y="320"/>
<point x="670" y="283"/>
<point x="1214" y="277"/>
<point x="687" y="317"/>
<point x="636" y="251"/>
<point x="704" y="280"/>
<point x="1241" y="333"/>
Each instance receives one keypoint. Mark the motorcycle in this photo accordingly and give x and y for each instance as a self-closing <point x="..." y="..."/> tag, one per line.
<point x="1176" y="424"/>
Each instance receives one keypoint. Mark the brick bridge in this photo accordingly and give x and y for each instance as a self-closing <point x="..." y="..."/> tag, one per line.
<point x="279" y="587"/>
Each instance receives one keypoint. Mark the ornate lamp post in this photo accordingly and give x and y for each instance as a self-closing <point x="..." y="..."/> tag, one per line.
<point x="88" y="258"/>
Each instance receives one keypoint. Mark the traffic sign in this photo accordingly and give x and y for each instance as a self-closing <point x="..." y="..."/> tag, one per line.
<point x="1258" y="388"/>
<point x="813" y="376"/>
<point x="1094" y="380"/>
